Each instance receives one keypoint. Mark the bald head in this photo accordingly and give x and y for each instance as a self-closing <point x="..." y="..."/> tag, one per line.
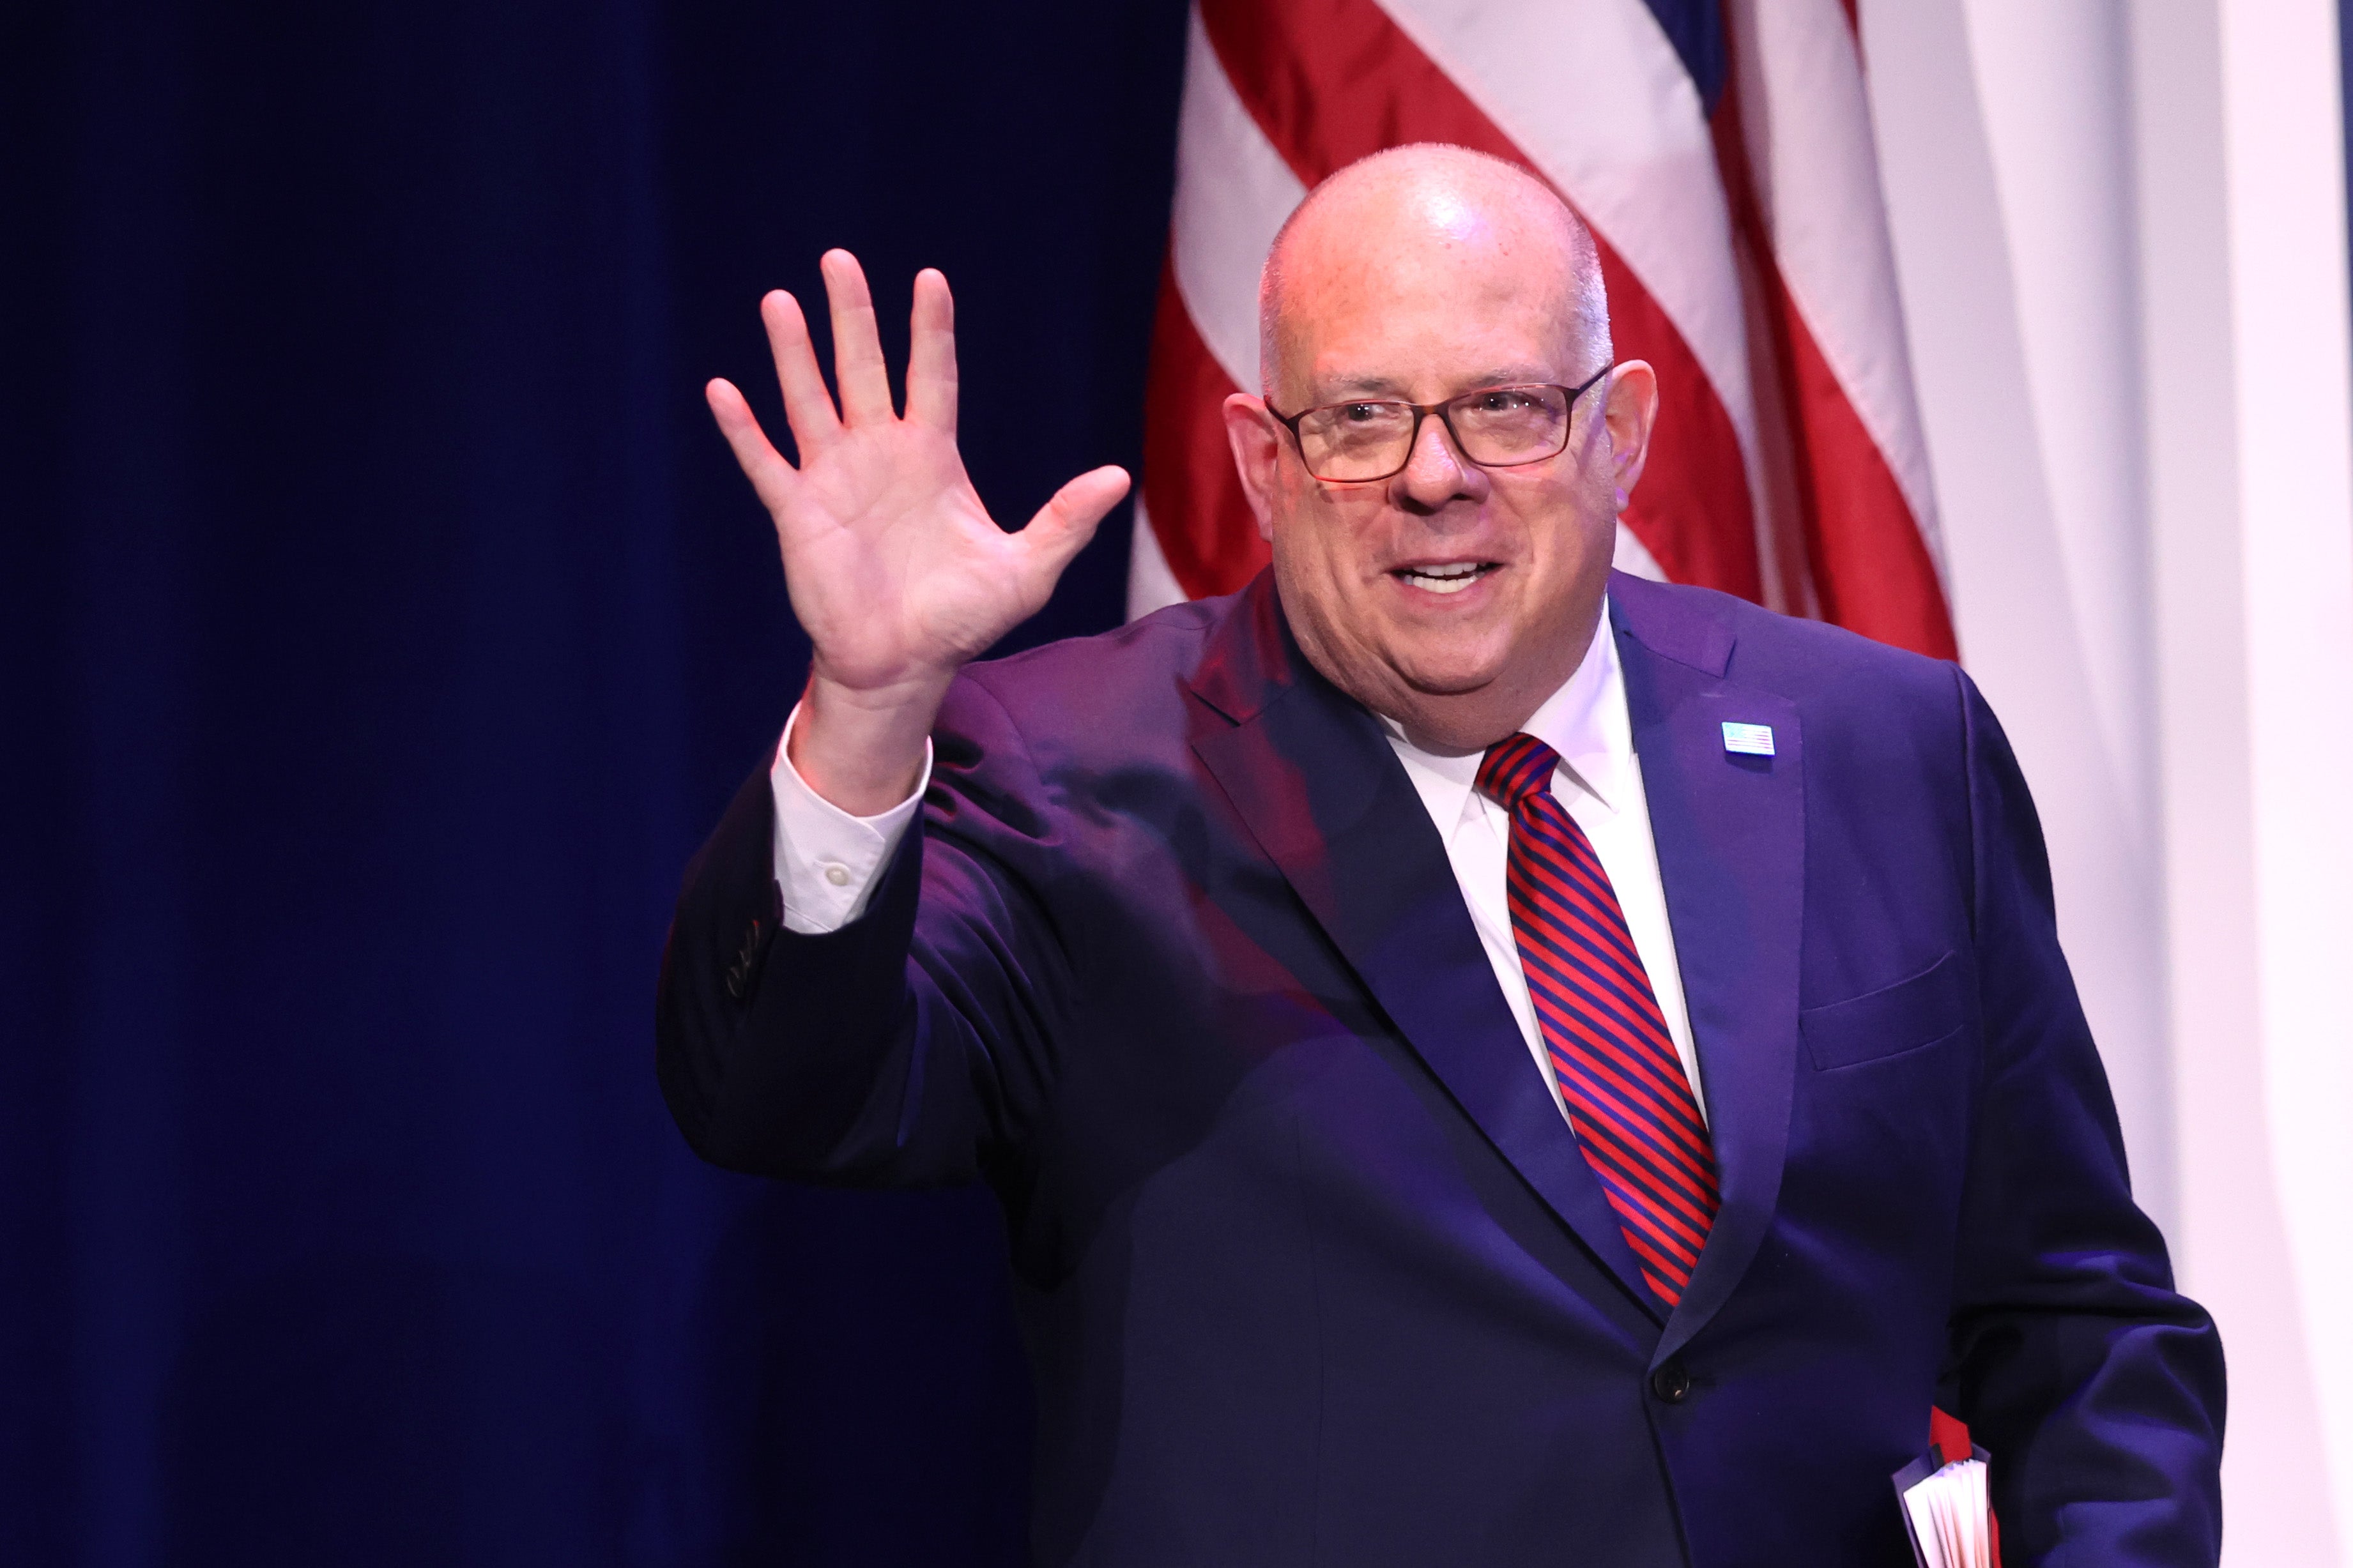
<point x="1427" y="204"/>
<point x="1455" y="591"/>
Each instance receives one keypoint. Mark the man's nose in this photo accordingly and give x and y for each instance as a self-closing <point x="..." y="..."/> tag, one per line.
<point x="1436" y="472"/>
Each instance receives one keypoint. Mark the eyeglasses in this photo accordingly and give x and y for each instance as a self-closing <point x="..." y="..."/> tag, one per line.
<point x="1496" y="427"/>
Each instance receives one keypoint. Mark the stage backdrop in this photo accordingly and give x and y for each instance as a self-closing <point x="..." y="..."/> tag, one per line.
<point x="382" y="625"/>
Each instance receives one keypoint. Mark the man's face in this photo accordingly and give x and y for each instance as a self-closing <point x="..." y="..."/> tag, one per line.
<point x="1451" y="596"/>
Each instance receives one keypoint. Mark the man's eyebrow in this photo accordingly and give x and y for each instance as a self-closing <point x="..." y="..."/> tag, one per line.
<point x="1511" y="375"/>
<point x="1344" y="386"/>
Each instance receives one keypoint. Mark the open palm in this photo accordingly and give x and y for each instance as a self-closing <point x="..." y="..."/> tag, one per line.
<point x="897" y="573"/>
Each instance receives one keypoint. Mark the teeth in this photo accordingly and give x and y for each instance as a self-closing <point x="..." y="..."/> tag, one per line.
<point x="1449" y="579"/>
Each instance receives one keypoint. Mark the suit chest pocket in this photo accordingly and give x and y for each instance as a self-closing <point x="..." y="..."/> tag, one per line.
<point x="1924" y="1010"/>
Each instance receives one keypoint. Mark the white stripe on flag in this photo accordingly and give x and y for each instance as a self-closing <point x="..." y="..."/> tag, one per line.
<point x="1806" y="122"/>
<point x="1151" y="585"/>
<point x="1631" y="557"/>
<point x="1234" y="191"/>
<point x="1593" y="92"/>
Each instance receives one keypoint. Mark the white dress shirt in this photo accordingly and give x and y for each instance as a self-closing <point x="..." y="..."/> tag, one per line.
<point x="1600" y="780"/>
<point x="827" y="860"/>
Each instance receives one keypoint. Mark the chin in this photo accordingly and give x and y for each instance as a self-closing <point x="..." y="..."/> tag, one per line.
<point x="1447" y="666"/>
<point x="1447" y="673"/>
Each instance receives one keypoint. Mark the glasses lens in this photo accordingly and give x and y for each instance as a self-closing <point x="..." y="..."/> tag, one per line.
<point x="1506" y="425"/>
<point x="1351" y="441"/>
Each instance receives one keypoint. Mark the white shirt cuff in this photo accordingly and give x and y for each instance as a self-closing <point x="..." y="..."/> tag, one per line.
<point x="828" y="860"/>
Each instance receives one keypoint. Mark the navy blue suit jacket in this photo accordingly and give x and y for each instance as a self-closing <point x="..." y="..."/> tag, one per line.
<point x="1310" y="1269"/>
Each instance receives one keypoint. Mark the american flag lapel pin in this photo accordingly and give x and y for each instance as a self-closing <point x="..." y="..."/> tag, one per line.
<point x="1749" y="739"/>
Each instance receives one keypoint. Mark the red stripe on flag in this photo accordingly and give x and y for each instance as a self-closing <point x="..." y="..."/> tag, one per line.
<point x="1872" y="569"/>
<point x="1869" y="565"/>
<point x="1332" y="81"/>
<point x="1191" y="492"/>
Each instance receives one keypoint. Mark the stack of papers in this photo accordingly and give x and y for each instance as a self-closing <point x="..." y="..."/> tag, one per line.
<point x="1947" y="1511"/>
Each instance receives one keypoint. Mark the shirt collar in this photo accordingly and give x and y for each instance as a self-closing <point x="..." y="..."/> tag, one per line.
<point x="1585" y="721"/>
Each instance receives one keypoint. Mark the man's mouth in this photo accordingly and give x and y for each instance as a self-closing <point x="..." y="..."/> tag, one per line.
<point x="1451" y="578"/>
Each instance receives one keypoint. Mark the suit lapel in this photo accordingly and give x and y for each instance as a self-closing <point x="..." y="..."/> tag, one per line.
<point x="1730" y="832"/>
<point x="1313" y="777"/>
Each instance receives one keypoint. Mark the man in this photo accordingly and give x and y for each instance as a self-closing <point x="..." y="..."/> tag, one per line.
<point x="1484" y="1060"/>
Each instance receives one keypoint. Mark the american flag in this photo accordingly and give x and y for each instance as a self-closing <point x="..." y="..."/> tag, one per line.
<point x="1722" y="153"/>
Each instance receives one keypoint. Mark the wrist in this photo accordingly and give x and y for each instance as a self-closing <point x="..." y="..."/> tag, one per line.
<point x="861" y="749"/>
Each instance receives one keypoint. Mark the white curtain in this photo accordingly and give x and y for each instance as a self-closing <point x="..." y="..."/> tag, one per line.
<point x="2119" y="228"/>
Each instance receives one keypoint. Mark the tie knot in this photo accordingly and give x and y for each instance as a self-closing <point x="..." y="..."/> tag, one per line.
<point x="1515" y="768"/>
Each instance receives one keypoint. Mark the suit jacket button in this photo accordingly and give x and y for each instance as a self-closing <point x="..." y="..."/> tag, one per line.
<point x="1670" y="1382"/>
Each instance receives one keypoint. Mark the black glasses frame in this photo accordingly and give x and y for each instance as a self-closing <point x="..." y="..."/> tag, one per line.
<point x="1423" y="411"/>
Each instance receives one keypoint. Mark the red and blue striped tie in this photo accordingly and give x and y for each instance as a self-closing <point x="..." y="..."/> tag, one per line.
<point x="1627" y="1092"/>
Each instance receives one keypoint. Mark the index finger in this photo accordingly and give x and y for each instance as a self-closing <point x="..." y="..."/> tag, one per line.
<point x="931" y="355"/>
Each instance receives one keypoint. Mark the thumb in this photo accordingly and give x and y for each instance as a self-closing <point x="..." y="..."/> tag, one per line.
<point x="1064" y="524"/>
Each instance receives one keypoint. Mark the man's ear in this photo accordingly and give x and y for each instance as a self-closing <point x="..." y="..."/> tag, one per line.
<point x="1257" y="443"/>
<point x="1631" y="413"/>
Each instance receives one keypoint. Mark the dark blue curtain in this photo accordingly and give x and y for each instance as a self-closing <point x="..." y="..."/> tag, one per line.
<point x="382" y="625"/>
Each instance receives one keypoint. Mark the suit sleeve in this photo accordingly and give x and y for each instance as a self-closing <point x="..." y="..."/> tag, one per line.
<point x="2097" y="1388"/>
<point x="910" y="1047"/>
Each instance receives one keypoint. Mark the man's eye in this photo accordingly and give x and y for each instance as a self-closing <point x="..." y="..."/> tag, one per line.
<point x="1504" y="401"/>
<point x="1363" y="413"/>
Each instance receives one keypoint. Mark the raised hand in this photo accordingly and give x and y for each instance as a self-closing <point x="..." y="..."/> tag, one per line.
<point x="896" y="572"/>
